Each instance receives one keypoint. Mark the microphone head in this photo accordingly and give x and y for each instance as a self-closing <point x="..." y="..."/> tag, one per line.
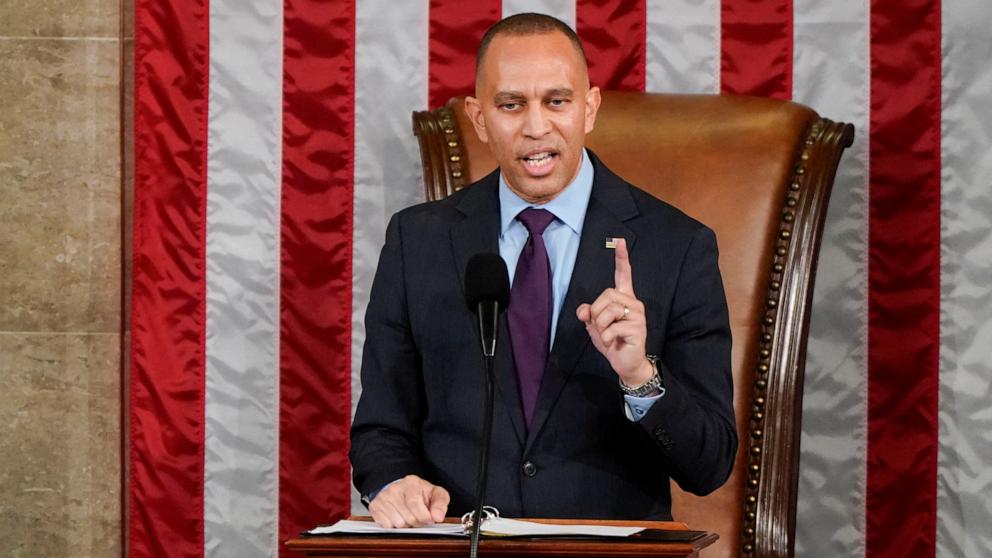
<point x="486" y="279"/>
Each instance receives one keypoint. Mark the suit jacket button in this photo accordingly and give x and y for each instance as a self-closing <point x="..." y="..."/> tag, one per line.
<point x="662" y="436"/>
<point x="529" y="469"/>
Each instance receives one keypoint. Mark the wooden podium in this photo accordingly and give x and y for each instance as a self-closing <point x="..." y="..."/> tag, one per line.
<point x="669" y="539"/>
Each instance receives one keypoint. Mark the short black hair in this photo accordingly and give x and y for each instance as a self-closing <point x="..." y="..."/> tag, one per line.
<point x="521" y="25"/>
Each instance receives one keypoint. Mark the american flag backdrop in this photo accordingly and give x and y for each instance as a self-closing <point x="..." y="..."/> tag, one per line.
<point x="273" y="141"/>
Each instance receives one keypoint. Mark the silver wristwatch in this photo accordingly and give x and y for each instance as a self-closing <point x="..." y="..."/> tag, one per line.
<point x="653" y="384"/>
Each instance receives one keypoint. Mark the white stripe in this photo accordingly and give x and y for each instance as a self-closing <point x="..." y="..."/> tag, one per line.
<point x="242" y="246"/>
<point x="390" y="83"/>
<point x="561" y="9"/>
<point x="831" y="74"/>
<point x="964" y="472"/>
<point x="683" y="46"/>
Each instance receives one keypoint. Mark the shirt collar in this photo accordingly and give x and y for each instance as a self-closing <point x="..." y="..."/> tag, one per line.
<point x="569" y="206"/>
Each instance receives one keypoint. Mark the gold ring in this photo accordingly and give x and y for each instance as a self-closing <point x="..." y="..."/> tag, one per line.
<point x="626" y="312"/>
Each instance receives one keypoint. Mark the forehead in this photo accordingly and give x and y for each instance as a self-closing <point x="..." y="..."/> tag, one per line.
<point x="525" y="61"/>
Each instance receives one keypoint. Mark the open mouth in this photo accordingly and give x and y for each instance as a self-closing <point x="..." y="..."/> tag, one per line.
<point x="539" y="163"/>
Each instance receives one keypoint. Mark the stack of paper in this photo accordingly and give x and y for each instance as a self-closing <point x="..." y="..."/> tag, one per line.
<point x="494" y="527"/>
<point x="503" y="527"/>
<point x="347" y="526"/>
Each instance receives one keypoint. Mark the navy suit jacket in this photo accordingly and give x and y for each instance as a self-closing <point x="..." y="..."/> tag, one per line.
<point x="422" y="398"/>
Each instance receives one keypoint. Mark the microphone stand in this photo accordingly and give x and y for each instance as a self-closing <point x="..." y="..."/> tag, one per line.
<point x="489" y="353"/>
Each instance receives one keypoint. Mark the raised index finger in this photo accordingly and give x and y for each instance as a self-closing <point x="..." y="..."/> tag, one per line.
<point x="623" y="277"/>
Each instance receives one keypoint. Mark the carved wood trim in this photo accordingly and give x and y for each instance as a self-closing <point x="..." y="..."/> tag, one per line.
<point x="441" y="152"/>
<point x="776" y="400"/>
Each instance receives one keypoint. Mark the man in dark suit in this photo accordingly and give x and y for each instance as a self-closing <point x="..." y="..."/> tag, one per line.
<point x="613" y="366"/>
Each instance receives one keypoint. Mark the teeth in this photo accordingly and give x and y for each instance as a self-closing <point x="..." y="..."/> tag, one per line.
<point x="538" y="160"/>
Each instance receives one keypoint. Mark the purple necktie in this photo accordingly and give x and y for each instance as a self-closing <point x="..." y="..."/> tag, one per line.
<point x="529" y="314"/>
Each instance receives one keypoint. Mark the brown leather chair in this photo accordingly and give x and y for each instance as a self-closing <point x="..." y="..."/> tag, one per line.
<point x="759" y="173"/>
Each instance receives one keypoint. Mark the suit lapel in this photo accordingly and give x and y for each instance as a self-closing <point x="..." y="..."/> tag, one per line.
<point x="479" y="232"/>
<point x="609" y="206"/>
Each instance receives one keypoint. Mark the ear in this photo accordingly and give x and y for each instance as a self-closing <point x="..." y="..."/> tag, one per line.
<point x="474" y="111"/>
<point x="593" y="99"/>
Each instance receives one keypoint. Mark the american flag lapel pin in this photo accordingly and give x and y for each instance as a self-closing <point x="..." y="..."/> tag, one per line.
<point x="611" y="243"/>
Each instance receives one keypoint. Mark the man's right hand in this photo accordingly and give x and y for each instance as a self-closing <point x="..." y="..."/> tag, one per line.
<point x="409" y="502"/>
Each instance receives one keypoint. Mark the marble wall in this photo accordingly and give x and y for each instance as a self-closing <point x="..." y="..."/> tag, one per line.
<point x="60" y="277"/>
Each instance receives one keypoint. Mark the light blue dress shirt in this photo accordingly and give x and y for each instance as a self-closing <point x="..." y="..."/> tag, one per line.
<point x="562" y="241"/>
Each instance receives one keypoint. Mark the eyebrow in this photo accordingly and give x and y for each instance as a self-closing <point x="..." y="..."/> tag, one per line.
<point x="559" y="92"/>
<point x="505" y="96"/>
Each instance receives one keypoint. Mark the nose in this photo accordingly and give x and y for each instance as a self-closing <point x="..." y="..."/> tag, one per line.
<point x="536" y="122"/>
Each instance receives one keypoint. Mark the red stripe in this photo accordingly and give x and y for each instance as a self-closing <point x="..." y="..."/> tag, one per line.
<point x="756" y="48"/>
<point x="614" y="36"/>
<point x="165" y="496"/>
<point x="315" y="302"/>
<point x="904" y="278"/>
<point x="456" y="27"/>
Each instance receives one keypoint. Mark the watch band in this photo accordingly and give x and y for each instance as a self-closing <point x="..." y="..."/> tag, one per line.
<point x="655" y="383"/>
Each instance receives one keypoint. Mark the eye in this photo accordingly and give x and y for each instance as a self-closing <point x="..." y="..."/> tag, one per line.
<point x="557" y="102"/>
<point x="510" y="106"/>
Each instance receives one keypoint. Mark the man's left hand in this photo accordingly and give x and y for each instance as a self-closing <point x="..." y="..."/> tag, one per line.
<point x="617" y="324"/>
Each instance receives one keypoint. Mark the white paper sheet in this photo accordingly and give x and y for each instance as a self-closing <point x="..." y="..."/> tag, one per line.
<point x="494" y="527"/>
<point x="371" y="528"/>
<point x="502" y="527"/>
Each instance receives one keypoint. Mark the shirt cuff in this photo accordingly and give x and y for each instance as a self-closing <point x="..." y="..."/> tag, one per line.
<point x="636" y="407"/>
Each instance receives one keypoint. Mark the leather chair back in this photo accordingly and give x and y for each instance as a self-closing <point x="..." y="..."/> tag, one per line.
<point x="758" y="172"/>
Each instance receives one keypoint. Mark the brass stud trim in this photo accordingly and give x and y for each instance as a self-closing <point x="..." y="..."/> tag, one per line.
<point x="775" y="285"/>
<point x="451" y="151"/>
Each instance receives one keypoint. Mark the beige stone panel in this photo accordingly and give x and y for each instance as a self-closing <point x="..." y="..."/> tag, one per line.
<point x="59" y="186"/>
<point x="59" y="18"/>
<point x="60" y="450"/>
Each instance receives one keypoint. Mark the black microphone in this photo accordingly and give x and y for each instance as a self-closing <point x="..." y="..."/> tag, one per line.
<point x="487" y="293"/>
